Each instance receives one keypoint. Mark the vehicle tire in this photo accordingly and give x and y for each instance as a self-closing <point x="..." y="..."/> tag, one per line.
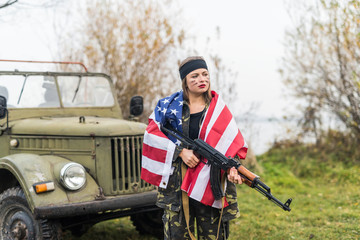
<point x="17" y="221"/>
<point x="149" y="223"/>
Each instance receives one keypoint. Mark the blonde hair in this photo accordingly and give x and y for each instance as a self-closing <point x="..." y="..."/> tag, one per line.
<point x="206" y="95"/>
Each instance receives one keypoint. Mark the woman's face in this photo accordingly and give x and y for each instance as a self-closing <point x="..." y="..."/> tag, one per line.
<point x="198" y="81"/>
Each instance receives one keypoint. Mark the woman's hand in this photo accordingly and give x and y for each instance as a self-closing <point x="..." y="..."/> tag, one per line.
<point x="233" y="176"/>
<point x="189" y="158"/>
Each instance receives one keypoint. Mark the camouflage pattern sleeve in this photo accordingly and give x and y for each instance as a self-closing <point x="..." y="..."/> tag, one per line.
<point x="231" y="211"/>
<point x="170" y="198"/>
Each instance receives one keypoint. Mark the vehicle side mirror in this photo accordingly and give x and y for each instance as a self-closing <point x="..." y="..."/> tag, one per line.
<point x="136" y="105"/>
<point x="3" y="109"/>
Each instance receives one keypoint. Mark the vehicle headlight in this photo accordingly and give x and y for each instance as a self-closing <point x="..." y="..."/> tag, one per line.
<point x="73" y="176"/>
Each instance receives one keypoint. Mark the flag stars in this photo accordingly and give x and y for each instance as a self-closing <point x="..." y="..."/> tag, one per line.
<point x="165" y="101"/>
<point x="164" y="111"/>
<point x="174" y="111"/>
<point x="181" y="103"/>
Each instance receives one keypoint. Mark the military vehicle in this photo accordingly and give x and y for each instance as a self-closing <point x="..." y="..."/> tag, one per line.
<point x="68" y="159"/>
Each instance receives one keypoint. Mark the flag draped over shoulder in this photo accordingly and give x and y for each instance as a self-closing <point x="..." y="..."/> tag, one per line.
<point x="158" y="149"/>
<point x="220" y="131"/>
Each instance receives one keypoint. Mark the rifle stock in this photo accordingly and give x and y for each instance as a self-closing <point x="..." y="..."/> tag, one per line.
<point x="218" y="160"/>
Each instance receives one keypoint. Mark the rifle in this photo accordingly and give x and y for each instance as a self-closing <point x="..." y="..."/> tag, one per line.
<point x="219" y="161"/>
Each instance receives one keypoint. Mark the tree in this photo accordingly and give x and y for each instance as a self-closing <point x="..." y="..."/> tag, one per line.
<point x="131" y="41"/>
<point x="321" y="65"/>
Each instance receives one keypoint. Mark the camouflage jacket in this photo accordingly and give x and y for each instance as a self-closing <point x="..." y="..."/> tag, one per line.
<point x="170" y="198"/>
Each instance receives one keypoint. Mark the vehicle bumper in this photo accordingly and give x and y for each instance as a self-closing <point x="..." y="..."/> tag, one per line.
<point x="97" y="206"/>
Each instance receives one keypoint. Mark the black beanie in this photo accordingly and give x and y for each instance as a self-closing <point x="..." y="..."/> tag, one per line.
<point x="191" y="66"/>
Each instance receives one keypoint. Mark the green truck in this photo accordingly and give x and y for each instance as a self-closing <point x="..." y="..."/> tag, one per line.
<point x="68" y="159"/>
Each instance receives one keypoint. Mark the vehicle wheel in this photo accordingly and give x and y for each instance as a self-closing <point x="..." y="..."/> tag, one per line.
<point x="17" y="221"/>
<point x="149" y="223"/>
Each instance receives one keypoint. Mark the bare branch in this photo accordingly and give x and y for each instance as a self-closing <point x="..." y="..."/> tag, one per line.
<point x="8" y="3"/>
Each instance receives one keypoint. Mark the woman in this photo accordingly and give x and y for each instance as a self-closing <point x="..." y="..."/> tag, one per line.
<point x="184" y="190"/>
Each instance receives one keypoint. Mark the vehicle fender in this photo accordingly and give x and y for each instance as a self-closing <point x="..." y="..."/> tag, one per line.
<point x="30" y="169"/>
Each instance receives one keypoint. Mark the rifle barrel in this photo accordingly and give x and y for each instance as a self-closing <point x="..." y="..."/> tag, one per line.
<point x="285" y="206"/>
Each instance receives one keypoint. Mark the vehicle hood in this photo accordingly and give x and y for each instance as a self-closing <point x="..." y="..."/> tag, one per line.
<point x="76" y="126"/>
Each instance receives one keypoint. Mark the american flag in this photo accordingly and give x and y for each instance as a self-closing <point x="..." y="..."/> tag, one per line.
<point x="158" y="149"/>
<point x="218" y="129"/>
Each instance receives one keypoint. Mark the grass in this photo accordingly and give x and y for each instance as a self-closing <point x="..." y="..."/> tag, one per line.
<point x="319" y="211"/>
<point x="326" y="203"/>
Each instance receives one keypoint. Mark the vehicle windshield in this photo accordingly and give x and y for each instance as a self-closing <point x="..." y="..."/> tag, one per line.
<point x="33" y="91"/>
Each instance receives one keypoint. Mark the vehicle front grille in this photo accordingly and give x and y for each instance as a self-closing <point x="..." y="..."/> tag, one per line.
<point x="126" y="165"/>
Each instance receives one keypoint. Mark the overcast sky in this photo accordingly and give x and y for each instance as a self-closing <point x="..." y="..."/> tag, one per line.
<point x="250" y="43"/>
